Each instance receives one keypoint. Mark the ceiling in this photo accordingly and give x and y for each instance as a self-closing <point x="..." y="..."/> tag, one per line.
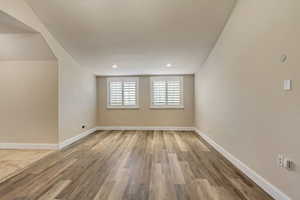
<point x="140" y="36"/>
<point x="16" y="38"/>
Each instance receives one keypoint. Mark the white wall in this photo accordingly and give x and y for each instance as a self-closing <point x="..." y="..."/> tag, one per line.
<point x="77" y="85"/>
<point x="78" y="100"/>
<point x="240" y="102"/>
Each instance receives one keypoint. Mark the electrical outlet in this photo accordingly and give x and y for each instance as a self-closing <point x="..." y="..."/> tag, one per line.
<point x="280" y="161"/>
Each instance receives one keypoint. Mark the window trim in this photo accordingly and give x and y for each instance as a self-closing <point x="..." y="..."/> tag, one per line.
<point x="108" y="80"/>
<point x="166" y="78"/>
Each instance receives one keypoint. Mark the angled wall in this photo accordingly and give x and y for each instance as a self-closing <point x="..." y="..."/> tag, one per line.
<point x="77" y="85"/>
<point x="240" y="101"/>
<point x="24" y="46"/>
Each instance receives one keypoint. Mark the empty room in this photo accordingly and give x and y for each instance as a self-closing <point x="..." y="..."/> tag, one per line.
<point x="149" y="99"/>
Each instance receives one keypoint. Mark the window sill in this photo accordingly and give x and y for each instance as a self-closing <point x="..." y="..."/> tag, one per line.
<point x="123" y="108"/>
<point x="167" y="107"/>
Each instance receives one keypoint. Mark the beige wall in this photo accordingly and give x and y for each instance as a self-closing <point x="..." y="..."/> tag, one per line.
<point x="240" y="102"/>
<point x="146" y="116"/>
<point x="77" y="91"/>
<point x="29" y="102"/>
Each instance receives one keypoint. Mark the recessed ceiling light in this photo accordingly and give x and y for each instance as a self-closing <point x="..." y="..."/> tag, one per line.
<point x="114" y="66"/>
<point x="169" y="65"/>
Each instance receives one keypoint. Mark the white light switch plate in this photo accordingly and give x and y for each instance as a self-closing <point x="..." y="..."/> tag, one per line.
<point x="287" y="84"/>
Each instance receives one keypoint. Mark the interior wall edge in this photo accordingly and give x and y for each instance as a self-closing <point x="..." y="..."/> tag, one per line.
<point x="70" y="141"/>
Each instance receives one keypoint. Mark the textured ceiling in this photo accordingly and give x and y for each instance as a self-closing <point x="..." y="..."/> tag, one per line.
<point x="140" y="36"/>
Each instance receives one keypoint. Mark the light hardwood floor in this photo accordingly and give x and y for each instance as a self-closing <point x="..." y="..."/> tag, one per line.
<point x="14" y="161"/>
<point x="137" y="165"/>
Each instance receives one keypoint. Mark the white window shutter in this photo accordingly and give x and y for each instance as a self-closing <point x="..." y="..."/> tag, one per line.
<point x="129" y="93"/>
<point x="159" y="89"/>
<point x="174" y="92"/>
<point x="116" y="93"/>
<point x="122" y="92"/>
<point x="167" y="92"/>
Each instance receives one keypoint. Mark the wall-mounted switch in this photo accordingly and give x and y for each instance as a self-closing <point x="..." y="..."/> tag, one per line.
<point x="287" y="84"/>
<point x="288" y="164"/>
<point x="280" y="161"/>
<point x="284" y="162"/>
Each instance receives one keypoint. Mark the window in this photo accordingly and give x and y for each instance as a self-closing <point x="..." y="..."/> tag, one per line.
<point x="167" y="92"/>
<point x="122" y="92"/>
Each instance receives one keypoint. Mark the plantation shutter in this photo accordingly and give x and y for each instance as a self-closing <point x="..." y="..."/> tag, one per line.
<point x="159" y="89"/>
<point x="122" y="92"/>
<point x="173" y="93"/>
<point x="129" y="93"/>
<point x="116" y="93"/>
<point x="167" y="92"/>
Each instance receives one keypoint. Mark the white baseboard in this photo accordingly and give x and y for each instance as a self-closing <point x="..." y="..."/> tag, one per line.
<point x="259" y="180"/>
<point x="145" y="128"/>
<point x="70" y="141"/>
<point x="47" y="146"/>
<point x="28" y="146"/>
<point x="86" y="133"/>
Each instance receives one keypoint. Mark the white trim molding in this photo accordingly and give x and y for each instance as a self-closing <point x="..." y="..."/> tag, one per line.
<point x="47" y="146"/>
<point x="28" y="146"/>
<point x="273" y="191"/>
<point x="70" y="141"/>
<point x="145" y="128"/>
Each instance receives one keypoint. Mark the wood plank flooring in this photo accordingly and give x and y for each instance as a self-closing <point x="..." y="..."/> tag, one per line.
<point x="133" y="165"/>
<point x="13" y="162"/>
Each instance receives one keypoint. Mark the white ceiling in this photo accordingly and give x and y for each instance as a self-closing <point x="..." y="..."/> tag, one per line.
<point x="140" y="36"/>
